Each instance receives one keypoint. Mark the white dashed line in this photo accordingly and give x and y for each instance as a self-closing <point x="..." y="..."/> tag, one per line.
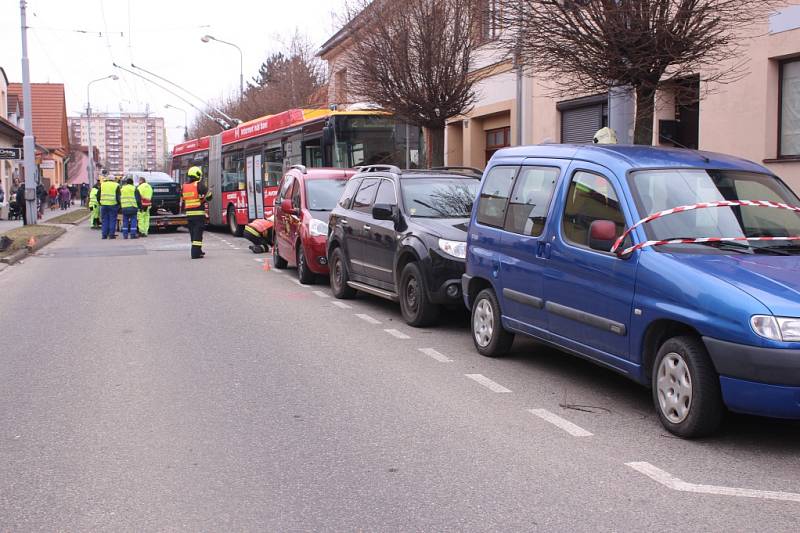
<point x="368" y="319"/>
<point x="671" y="482"/>
<point x="341" y="305"/>
<point x="236" y="248"/>
<point x="488" y="383"/>
<point x="397" y="334"/>
<point x="566" y="425"/>
<point x="321" y="294"/>
<point x="430" y="352"/>
<point x="258" y="260"/>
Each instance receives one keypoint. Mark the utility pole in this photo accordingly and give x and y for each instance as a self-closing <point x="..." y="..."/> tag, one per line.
<point x="28" y="143"/>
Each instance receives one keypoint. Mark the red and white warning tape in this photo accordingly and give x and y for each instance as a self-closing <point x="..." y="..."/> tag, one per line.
<point x="702" y="205"/>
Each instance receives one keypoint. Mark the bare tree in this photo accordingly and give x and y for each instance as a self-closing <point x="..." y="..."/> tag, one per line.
<point x="288" y="79"/>
<point x="414" y="59"/>
<point x="594" y="45"/>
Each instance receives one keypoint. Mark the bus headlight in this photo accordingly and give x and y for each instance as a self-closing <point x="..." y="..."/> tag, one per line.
<point x="455" y="248"/>
<point x="317" y="228"/>
<point x="784" y="329"/>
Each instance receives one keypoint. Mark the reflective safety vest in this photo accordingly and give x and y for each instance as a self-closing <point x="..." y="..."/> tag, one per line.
<point x="146" y="192"/>
<point x="108" y="192"/>
<point x="258" y="227"/>
<point x="191" y="199"/>
<point x="93" y="198"/>
<point x="127" y="196"/>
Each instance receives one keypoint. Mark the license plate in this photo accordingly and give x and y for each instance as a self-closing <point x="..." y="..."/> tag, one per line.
<point x="160" y="190"/>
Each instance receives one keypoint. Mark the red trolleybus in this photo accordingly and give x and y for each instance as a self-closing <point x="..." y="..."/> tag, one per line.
<point x="245" y="164"/>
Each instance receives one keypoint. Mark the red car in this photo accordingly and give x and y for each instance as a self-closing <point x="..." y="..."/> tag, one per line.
<point x="305" y="200"/>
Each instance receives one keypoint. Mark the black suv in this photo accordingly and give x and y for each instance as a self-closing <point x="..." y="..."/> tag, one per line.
<point x="401" y="235"/>
<point x="166" y="191"/>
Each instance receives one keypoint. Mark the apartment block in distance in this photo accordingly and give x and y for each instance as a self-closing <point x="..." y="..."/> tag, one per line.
<point x="126" y="141"/>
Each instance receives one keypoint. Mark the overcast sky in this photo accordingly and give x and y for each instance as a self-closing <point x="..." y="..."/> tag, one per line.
<point x="162" y="36"/>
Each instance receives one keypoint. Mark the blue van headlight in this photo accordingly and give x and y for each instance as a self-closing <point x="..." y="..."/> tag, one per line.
<point x="774" y="328"/>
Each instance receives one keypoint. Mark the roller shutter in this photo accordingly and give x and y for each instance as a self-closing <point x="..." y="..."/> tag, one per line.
<point x="581" y="119"/>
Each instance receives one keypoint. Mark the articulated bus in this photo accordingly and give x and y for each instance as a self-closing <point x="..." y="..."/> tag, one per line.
<point x="243" y="165"/>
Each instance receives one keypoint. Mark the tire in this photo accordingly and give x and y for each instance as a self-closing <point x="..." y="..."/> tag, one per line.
<point x="305" y="275"/>
<point x="277" y="261"/>
<point x="488" y="334"/>
<point x="339" y="276"/>
<point x="415" y="303"/>
<point x="233" y="226"/>
<point x="686" y="390"/>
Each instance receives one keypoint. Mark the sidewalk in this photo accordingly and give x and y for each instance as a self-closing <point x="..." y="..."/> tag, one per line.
<point x="6" y="225"/>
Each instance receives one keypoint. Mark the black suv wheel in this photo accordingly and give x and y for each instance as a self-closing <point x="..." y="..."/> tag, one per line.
<point x="415" y="303"/>
<point x="339" y="276"/>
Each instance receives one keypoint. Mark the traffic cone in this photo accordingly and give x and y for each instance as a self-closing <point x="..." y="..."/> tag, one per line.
<point x="267" y="266"/>
<point x="31" y="242"/>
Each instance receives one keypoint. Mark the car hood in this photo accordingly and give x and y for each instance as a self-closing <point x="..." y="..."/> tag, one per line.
<point x="773" y="280"/>
<point x="452" y="229"/>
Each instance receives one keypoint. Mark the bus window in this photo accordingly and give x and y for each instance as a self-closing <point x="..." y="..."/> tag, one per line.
<point x="233" y="172"/>
<point x="375" y="139"/>
<point x="313" y="154"/>
<point x="272" y="166"/>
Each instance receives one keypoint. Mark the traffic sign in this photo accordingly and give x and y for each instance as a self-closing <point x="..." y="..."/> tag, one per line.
<point x="10" y="153"/>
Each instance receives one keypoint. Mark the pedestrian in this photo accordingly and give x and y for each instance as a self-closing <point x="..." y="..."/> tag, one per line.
<point x="94" y="205"/>
<point x="44" y="198"/>
<point x="146" y="194"/>
<point x="73" y="193"/>
<point x="23" y="205"/>
<point x="84" y="194"/>
<point x="195" y="194"/>
<point x="64" y="197"/>
<point x="52" y="196"/>
<point x="2" y="198"/>
<point x="109" y="206"/>
<point x="131" y="202"/>
<point x="259" y="233"/>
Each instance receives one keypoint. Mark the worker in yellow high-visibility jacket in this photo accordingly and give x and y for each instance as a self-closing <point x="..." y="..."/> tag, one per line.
<point x="94" y="205"/>
<point x="146" y="194"/>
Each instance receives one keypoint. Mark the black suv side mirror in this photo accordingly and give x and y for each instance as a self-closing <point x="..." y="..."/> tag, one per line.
<point x="384" y="212"/>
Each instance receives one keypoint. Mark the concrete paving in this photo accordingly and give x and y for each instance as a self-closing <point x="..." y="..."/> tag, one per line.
<point x="154" y="393"/>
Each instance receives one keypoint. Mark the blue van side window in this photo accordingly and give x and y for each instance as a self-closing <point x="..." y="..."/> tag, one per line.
<point x="494" y="196"/>
<point x="591" y="197"/>
<point x="527" y="209"/>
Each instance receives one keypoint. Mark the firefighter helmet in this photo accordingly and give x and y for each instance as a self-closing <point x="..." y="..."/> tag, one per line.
<point x="195" y="173"/>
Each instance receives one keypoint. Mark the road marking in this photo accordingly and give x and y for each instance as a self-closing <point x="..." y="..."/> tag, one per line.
<point x="671" y="482"/>
<point x="566" y="425"/>
<point x="321" y="294"/>
<point x="236" y="248"/>
<point x="257" y="260"/>
<point x="341" y="305"/>
<point x="430" y="352"/>
<point x="297" y="281"/>
<point x="488" y="383"/>
<point x="368" y="319"/>
<point x="397" y="334"/>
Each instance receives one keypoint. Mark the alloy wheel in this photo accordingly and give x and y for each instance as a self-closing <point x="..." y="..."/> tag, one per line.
<point x="483" y="323"/>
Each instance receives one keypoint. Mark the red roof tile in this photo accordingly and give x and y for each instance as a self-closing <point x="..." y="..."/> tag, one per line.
<point x="49" y="113"/>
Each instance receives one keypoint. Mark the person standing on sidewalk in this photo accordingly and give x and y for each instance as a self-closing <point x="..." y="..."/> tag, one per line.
<point x="195" y="194"/>
<point x="131" y="203"/>
<point x="146" y="194"/>
<point x="44" y="198"/>
<point x="109" y="205"/>
<point x="94" y="205"/>
<point x="23" y="205"/>
<point x="84" y="194"/>
<point x="64" y="197"/>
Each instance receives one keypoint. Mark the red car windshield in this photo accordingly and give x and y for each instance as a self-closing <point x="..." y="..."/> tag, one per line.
<point x="322" y="194"/>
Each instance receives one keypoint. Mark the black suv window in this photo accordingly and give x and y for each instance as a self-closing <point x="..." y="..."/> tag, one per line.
<point x="494" y="196"/>
<point x="591" y="197"/>
<point x="349" y="192"/>
<point x="527" y="209"/>
<point x="366" y="194"/>
<point x="386" y="193"/>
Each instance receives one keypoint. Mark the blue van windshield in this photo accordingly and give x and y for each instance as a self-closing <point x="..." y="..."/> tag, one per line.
<point x="658" y="190"/>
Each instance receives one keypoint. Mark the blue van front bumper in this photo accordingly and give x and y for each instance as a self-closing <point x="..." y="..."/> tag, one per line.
<point x="757" y="381"/>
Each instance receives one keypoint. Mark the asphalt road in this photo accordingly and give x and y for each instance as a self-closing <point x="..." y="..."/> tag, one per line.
<point x="142" y="391"/>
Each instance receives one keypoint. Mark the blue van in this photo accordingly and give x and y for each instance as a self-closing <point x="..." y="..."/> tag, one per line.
<point x="702" y="303"/>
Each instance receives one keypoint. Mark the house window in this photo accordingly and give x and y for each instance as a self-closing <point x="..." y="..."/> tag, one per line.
<point x="496" y="139"/>
<point x="491" y="21"/>
<point x="341" y="86"/>
<point x="789" y="123"/>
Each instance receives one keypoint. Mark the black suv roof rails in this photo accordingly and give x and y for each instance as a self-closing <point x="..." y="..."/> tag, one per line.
<point x="470" y="169"/>
<point x="380" y="168"/>
<point x="301" y="168"/>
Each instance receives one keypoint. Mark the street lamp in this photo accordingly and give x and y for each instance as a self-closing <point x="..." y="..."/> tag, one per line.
<point x="207" y="38"/>
<point x="185" y="120"/>
<point x="90" y="166"/>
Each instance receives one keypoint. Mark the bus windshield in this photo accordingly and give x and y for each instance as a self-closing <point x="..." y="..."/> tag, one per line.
<point x="376" y="140"/>
<point x="322" y="194"/>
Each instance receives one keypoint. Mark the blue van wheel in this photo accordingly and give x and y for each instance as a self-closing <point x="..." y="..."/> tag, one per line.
<point x="488" y="334"/>
<point x="686" y="390"/>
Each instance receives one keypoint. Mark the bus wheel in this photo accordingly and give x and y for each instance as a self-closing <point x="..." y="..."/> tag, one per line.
<point x="233" y="226"/>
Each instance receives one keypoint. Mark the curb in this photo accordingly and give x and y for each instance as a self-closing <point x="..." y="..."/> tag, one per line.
<point x="19" y="255"/>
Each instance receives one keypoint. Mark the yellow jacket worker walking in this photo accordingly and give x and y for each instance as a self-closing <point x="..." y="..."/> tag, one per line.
<point x="146" y="193"/>
<point x="195" y="194"/>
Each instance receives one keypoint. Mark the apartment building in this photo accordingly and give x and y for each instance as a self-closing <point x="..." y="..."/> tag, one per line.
<point x="125" y="141"/>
